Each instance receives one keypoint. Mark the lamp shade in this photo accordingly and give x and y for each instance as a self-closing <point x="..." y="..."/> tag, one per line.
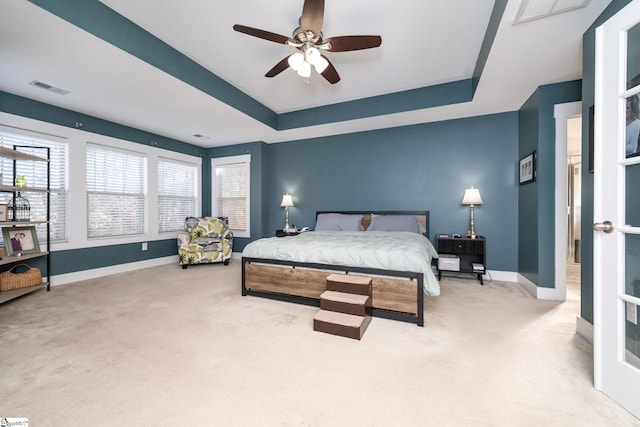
<point x="471" y="197"/>
<point x="287" y="201"/>
<point x="295" y="61"/>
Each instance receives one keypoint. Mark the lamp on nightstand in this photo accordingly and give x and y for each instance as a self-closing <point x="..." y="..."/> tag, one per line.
<point x="471" y="198"/>
<point x="287" y="202"/>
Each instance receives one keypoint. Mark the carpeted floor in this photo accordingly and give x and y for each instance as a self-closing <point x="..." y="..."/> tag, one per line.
<point x="166" y="346"/>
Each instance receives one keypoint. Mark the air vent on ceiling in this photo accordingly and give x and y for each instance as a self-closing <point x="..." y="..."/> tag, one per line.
<point x="199" y="136"/>
<point x="536" y="9"/>
<point x="48" y="87"/>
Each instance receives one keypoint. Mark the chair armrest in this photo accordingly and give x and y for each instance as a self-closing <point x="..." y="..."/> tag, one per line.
<point x="227" y="235"/>
<point x="183" y="239"/>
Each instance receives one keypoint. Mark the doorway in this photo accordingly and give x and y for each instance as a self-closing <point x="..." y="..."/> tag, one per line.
<point x="568" y="174"/>
<point x="574" y="204"/>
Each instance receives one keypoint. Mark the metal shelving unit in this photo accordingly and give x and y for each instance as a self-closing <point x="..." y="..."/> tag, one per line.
<point x="17" y="156"/>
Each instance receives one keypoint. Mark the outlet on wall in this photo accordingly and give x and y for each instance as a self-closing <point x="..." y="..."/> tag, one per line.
<point x="145" y="246"/>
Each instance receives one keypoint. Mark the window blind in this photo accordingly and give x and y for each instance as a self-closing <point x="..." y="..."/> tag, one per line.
<point x="177" y="188"/>
<point x="231" y="187"/>
<point x="36" y="176"/>
<point x="115" y="192"/>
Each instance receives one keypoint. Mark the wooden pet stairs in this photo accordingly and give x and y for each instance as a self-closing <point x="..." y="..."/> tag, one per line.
<point x="345" y="307"/>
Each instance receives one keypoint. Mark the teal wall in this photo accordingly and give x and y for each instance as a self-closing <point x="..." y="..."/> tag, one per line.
<point x="426" y="166"/>
<point x="588" y="96"/>
<point x="536" y="202"/>
<point x="528" y="193"/>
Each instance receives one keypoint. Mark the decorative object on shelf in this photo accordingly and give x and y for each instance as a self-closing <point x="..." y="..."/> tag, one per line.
<point x="4" y="212"/>
<point x="471" y="198"/>
<point x="528" y="168"/>
<point x="287" y="202"/>
<point x="21" y="181"/>
<point x="10" y="280"/>
<point x="19" y="208"/>
<point x="20" y="240"/>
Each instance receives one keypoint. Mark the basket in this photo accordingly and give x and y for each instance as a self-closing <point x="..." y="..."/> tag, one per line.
<point x="10" y="280"/>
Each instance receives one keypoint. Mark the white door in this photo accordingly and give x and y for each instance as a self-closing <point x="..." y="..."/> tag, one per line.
<point x="616" y="237"/>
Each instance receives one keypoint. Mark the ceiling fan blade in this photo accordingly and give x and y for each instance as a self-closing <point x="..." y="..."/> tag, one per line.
<point x="278" y="68"/>
<point x="312" y="16"/>
<point x="347" y="43"/>
<point x="266" y="35"/>
<point x="330" y="72"/>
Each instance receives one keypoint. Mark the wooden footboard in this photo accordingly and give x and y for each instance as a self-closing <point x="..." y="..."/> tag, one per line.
<point x="395" y="295"/>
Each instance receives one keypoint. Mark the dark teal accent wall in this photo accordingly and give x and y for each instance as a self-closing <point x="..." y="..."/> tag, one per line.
<point x="258" y="183"/>
<point x="426" y="166"/>
<point x="426" y="97"/>
<point x="528" y="193"/>
<point x="25" y="107"/>
<point x="74" y="260"/>
<point x="536" y="202"/>
<point x="588" y="96"/>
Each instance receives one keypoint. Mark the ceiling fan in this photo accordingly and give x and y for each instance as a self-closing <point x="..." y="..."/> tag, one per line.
<point x="307" y="38"/>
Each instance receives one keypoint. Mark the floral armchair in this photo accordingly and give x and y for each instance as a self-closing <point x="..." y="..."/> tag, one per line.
<point x="205" y="240"/>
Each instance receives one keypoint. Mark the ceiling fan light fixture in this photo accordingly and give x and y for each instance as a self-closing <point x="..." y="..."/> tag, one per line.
<point x="321" y="64"/>
<point x="296" y="60"/>
<point x="304" y="70"/>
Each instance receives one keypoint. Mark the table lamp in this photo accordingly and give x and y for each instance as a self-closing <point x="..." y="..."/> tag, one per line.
<point x="471" y="198"/>
<point x="287" y="202"/>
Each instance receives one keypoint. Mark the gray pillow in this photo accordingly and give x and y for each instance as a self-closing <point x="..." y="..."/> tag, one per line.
<point x="394" y="223"/>
<point x="338" y="222"/>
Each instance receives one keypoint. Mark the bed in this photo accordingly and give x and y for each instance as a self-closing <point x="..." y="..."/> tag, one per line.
<point x="391" y="247"/>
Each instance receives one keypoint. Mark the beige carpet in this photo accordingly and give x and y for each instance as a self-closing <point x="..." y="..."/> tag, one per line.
<point x="166" y="346"/>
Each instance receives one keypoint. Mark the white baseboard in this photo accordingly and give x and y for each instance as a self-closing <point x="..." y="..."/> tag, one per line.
<point x="63" y="279"/>
<point x="585" y="329"/>
<point x="538" y="292"/>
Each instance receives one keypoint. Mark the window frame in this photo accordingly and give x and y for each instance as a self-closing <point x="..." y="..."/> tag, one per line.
<point x="244" y="159"/>
<point x="196" y="189"/>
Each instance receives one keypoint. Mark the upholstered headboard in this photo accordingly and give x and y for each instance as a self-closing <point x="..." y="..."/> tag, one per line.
<point x="421" y="216"/>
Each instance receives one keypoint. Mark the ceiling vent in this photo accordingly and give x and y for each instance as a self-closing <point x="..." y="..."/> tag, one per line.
<point x="48" y="87"/>
<point x="536" y="9"/>
<point x="199" y="136"/>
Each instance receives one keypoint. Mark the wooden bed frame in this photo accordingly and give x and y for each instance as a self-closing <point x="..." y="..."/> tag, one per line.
<point x="396" y="295"/>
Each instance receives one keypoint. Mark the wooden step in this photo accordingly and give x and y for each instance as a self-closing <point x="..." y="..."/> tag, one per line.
<point x="349" y="283"/>
<point x="358" y="305"/>
<point x="344" y="325"/>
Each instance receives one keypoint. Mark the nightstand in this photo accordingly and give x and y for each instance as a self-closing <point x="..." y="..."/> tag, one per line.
<point x="470" y="252"/>
<point x="282" y="233"/>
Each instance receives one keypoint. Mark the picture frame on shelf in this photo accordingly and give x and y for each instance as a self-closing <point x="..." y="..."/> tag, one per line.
<point x="20" y="240"/>
<point x="528" y="169"/>
<point x="4" y="212"/>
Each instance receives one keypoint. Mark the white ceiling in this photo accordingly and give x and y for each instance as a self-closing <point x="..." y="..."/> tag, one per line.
<point x="424" y="43"/>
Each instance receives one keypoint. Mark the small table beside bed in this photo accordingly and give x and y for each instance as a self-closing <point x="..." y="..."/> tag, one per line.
<point x="391" y="247"/>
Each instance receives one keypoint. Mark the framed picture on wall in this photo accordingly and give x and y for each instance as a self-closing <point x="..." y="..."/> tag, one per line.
<point x="528" y="168"/>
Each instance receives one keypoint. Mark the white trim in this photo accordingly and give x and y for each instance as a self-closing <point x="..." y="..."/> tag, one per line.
<point x="217" y="161"/>
<point x="562" y="112"/>
<point x="584" y="328"/>
<point x="63" y="279"/>
<point x="538" y="292"/>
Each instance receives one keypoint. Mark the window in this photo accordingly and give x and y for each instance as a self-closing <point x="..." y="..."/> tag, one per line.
<point x="36" y="176"/>
<point x="177" y="189"/>
<point x="231" y="191"/>
<point x="115" y="192"/>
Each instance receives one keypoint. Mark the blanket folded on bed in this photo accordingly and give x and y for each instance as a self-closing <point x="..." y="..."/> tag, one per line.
<point x="399" y="251"/>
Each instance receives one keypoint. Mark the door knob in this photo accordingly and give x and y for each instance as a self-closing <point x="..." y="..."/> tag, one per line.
<point x="606" y="226"/>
